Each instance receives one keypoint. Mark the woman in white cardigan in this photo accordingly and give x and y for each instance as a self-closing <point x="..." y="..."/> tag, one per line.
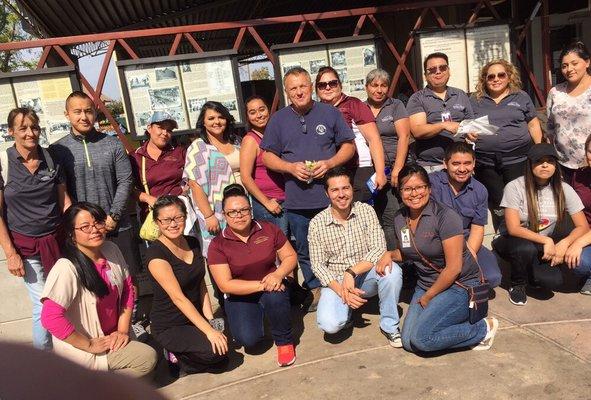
<point x="88" y="299"/>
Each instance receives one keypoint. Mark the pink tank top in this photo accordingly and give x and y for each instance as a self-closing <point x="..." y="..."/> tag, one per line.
<point x="269" y="182"/>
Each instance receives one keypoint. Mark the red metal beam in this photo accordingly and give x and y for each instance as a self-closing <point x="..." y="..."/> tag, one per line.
<point x="64" y="41"/>
<point x="359" y="25"/>
<point x="128" y="49"/>
<point x="475" y="12"/>
<point x="318" y="31"/>
<point x="492" y="9"/>
<point x="104" y="69"/>
<point x="525" y="29"/>
<point x="546" y="46"/>
<point x="175" y="44"/>
<point x="44" y="55"/>
<point x="193" y="42"/>
<point x="262" y="44"/>
<point x="300" y="31"/>
<point x="239" y="39"/>
<point x="438" y="17"/>
<point x="532" y="78"/>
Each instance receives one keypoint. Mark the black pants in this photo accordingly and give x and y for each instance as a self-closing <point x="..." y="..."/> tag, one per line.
<point x="191" y="347"/>
<point x="386" y="205"/>
<point x="360" y="177"/>
<point x="494" y="178"/>
<point x="526" y="262"/>
<point x="128" y="243"/>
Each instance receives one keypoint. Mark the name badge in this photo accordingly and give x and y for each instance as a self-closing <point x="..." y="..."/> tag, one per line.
<point x="405" y="237"/>
<point x="446" y="116"/>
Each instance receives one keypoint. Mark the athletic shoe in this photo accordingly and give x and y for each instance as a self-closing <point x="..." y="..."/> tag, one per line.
<point x="586" y="289"/>
<point x="492" y="326"/>
<point x="394" y="338"/>
<point x="140" y="332"/>
<point x="286" y="355"/>
<point x="313" y="299"/>
<point x="517" y="295"/>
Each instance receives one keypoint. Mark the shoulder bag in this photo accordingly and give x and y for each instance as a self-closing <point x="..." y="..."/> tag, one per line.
<point x="149" y="230"/>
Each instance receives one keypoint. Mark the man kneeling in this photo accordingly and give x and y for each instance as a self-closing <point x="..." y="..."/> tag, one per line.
<point x="346" y="241"/>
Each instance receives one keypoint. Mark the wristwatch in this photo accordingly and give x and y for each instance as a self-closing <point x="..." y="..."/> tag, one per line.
<point x="351" y="272"/>
<point x="115" y="216"/>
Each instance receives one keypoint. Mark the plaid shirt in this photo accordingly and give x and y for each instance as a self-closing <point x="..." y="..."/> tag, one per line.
<point x="334" y="247"/>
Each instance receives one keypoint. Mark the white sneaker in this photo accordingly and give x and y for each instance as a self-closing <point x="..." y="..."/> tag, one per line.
<point x="492" y="325"/>
<point x="140" y="332"/>
<point x="394" y="339"/>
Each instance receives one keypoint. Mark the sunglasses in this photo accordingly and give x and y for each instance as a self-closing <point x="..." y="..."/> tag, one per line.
<point x="492" y="77"/>
<point x="325" y="85"/>
<point x="438" y="68"/>
<point x="303" y="122"/>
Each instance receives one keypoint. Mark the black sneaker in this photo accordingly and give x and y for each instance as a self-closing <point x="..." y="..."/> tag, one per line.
<point x="517" y="295"/>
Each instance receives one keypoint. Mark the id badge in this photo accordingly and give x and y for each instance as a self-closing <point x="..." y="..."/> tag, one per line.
<point x="405" y="237"/>
<point x="446" y="116"/>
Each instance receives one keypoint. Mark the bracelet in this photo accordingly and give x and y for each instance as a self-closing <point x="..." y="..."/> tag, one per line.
<point x="209" y="216"/>
<point x="351" y="272"/>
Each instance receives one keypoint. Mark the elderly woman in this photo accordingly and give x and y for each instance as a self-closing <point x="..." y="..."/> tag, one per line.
<point x="181" y="309"/>
<point x="501" y="158"/>
<point x="34" y="195"/>
<point x="242" y="261"/>
<point x="394" y="128"/>
<point x="569" y="114"/>
<point x="431" y="236"/>
<point x="88" y="299"/>
<point x="370" y="153"/>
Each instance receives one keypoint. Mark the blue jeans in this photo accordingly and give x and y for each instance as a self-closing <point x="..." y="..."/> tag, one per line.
<point x="246" y="317"/>
<point x="260" y="213"/>
<point x="299" y="221"/>
<point x="34" y="281"/>
<point x="490" y="266"/>
<point x="584" y="268"/>
<point x="443" y="324"/>
<point x="332" y="314"/>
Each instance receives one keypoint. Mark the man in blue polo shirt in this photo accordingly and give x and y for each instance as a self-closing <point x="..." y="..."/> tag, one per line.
<point x="303" y="141"/>
<point x="435" y="113"/>
<point x="456" y="188"/>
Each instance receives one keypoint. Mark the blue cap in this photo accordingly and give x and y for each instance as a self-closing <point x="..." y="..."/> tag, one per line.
<point x="159" y="116"/>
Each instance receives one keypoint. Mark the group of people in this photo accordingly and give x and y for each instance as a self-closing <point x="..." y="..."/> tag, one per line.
<point x="366" y="191"/>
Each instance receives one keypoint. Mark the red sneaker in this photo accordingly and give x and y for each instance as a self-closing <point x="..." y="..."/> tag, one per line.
<point x="286" y="355"/>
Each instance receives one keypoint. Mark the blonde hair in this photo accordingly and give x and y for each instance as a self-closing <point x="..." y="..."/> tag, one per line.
<point x="512" y="74"/>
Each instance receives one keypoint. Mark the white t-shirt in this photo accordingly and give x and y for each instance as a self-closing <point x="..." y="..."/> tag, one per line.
<point x="514" y="197"/>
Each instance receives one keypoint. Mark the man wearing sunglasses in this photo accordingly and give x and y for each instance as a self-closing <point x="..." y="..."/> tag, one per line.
<point x="303" y="141"/>
<point x="436" y="112"/>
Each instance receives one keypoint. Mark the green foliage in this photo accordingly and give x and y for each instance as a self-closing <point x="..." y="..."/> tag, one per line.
<point x="116" y="108"/>
<point x="11" y="31"/>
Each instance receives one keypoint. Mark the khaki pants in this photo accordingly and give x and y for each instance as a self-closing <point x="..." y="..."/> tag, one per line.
<point x="135" y="359"/>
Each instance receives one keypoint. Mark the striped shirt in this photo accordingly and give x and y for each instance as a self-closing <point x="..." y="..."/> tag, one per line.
<point x="334" y="246"/>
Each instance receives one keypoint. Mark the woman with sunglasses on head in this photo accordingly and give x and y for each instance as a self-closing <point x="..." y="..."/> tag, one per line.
<point x="242" y="260"/>
<point x="88" y="299"/>
<point x="181" y="308"/>
<point x="569" y="114"/>
<point x="370" y="153"/>
<point x="534" y="237"/>
<point x="267" y="187"/>
<point x="500" y="158"/>
<point x="33" y="196"/>
<point x="212" y="163"/>
<point x="431" y="236"/>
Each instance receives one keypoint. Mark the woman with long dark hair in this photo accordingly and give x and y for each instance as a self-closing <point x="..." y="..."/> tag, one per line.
<point x="533" y="237"/>
<point x="88" y="299"/>
<point x="211" y="164"/>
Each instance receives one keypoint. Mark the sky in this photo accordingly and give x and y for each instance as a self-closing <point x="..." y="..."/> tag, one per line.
<point x="90" y="67"/>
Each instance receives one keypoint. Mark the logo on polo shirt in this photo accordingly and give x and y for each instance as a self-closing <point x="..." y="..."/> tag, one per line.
<point x="320" y="129"/>
<point x="458" y="106"/>
<point x="261" y="239"/>
<point x="387" y="118"/>
<point x="514" y="104"/>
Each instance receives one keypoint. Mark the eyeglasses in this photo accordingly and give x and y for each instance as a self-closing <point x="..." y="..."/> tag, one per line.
<point x="325" y="85"/>
<point x="303" y="122"/>
<point x="418" y="189"/>
<point x="88" y="228"/>
<point x="437" y="68"/>
<point x="237" y="213"/>
<point x="167" y="221"/>
<point x="492" y="77"/>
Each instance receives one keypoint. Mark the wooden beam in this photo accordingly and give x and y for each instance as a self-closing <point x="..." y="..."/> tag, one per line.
<point x="175" y="44"/>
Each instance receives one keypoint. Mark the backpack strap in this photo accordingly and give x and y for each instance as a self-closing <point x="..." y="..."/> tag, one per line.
<point x="4" y="165"/>
<point x="48" y="158"/>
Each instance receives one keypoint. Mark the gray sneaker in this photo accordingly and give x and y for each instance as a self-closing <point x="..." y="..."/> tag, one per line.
<point x="394" y="339"/>
<point x="586" y="289"/>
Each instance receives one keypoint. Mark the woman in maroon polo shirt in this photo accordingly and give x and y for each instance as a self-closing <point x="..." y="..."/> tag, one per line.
<point x="242" y="261"/>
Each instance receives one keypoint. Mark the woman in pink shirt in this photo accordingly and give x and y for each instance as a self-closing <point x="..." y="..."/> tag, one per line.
<point x="88" y="299"/>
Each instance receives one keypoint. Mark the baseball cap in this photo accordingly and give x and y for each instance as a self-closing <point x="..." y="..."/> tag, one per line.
<point x="541" y="150"/>
<point x="159" y="116"/>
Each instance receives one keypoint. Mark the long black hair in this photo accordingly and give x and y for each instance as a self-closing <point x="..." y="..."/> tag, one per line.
<point x="229" y="135"/>
<point x="87" y="273"/>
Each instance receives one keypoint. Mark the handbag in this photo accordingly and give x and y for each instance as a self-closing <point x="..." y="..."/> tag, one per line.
<point x="478" y="295"/>
<point x="149" y="230"/>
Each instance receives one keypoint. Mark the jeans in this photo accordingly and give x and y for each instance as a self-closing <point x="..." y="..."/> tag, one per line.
<point x="490" y="266"/>
<point x="260" y="213"/>
<point x="332" y="314"/>
<point x="34" y="281"/>
<point x="584" y="268"/>
<point x="360" y="177"/>
<point x="299" y="221"/>
<point x="443" y="324"/>
<point x="386" y="205"/>
<point x="246" y="317"/>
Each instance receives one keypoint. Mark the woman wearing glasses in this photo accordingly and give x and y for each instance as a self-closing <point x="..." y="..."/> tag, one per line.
<point x="88" y="299"/>
<point x="501" y="158"/>
<point x="370" y="153"/>
<point x="429" y="232"/>
<point x="242" y="260"/>
<point x="211" y="164"/>
<point x="181" y="308"/>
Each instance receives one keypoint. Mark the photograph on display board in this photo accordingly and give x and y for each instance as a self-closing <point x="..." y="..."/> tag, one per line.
<point x="195" y="105"/>
<point x="369" y="57"/>
<point x="138" y="82"/>
<point x="315" y="65"/>
<point x="165" y="98"/>
<point x="166" y="73"/>
<point x="4" y="135"/>
<point x="338" y="59"/>
<point x="59" y="128"/>
<point x="185" y="67"/>
<point x="357" y="85"/>
<point x="33" y="104"/>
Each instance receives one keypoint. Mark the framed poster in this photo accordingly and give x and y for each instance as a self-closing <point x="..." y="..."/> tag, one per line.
<point x="484" y="44"/>
<point x="179" y="85"/>
<point x="44" y="91"/>
<point x="453" y="44"/>
<point x="351" y="57"/>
